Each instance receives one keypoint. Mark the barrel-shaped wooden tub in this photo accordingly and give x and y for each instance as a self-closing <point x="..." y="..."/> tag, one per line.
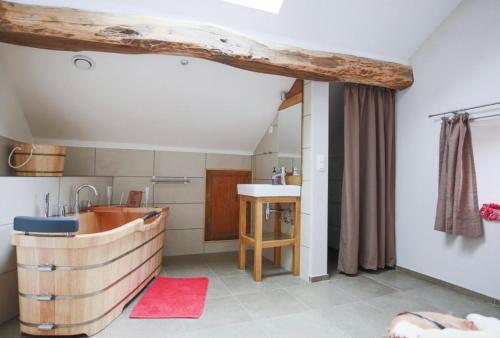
<point x="79" y="284"/>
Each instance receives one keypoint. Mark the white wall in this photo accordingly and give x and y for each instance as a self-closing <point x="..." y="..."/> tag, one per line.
<point x="12" y="121"/>
<point x="458" y="66"/>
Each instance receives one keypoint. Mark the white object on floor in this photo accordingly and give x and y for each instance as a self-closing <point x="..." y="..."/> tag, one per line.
<point x="268" y="190"/>
<point x="489" y="327"/>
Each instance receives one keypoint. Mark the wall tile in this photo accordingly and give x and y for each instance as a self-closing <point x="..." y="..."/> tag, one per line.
<point x="305" y="230"/>
<point x="79" y="161"/>
<point x="221" y="161"/>
<point x="126" y="184"/>
<point x="9" y="296"/>
<point x="4" y="155"/>
<point x="307" y="165"/>
<point x="183" y="242"/>
<point x="297" y="163"/>
<point x="221" y="246"/>
<point x="186" y="216"/>
<point x="264" y="165"/>
<point x="306" y="197"/>
<point x="306" y="132"/>
<point x="177" y="164"/>
<point x="268" y="181"/>
<point x="304" y="263"/>
<point x="69" y="185"/>
<point x="192" y="192"/>
<point x="124" y="162"/>
<point x="286" y="162"/>
<point x="307" y="99"/>
<point x="286" y="258"/>
<point x="24" y="196"/>
<point x="7" y="251"/>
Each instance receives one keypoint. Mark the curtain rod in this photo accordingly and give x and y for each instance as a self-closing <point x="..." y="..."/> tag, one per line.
<point x="483" y="117"/>
<point x="469" y="108"/>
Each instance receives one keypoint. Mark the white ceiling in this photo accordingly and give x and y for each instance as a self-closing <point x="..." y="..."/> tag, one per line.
<point x="151" y="101"/>
<point x="142" y="100"/>
<point x="383" y="29"/>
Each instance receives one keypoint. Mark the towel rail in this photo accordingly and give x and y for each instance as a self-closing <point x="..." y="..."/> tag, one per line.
<point x="159" y="179"/>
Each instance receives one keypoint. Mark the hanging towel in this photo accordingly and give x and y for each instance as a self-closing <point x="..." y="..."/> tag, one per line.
<point x="457" y="208"/>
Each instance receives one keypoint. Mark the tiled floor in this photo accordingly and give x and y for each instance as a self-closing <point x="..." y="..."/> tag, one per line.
<point x="285" y="306"/>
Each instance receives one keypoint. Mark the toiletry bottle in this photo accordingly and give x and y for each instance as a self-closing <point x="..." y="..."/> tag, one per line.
<point x="274" y="177"/>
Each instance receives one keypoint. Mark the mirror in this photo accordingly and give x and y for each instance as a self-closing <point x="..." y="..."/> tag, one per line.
<point x="289" y="138"/>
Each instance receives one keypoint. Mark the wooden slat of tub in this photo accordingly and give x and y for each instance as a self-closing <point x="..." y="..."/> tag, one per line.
<point x="99" y="253"/>
<point x="86" y="240"/>
<point x="96" y="326"/>
<point x="84" y="281"/>
<point x="90" y="308"/>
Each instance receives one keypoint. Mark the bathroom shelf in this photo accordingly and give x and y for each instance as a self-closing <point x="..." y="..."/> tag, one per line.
<point x="271" y="239"/>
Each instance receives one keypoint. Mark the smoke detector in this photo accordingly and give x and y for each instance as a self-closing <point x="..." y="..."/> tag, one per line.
<point x="83" y="62"/>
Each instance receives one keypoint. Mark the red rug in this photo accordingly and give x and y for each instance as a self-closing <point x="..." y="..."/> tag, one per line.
<point x="173" y="298"/>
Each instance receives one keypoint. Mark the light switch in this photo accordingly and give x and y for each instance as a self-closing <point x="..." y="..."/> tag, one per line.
<point x="320" y="162"/>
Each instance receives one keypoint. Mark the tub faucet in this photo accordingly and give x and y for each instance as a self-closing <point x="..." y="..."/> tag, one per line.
<point x="77" y="195"/>
<point x="47" y="204"/>
<point x="281" y="174"/>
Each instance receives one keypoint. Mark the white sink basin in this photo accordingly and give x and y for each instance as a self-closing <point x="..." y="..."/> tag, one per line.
<point x="268" y="190"/>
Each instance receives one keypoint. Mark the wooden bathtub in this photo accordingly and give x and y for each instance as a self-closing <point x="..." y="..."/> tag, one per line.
<point x="78" y="285"/>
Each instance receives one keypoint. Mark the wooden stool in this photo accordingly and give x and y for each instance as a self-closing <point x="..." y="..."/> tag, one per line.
<point x="259" y="240"/>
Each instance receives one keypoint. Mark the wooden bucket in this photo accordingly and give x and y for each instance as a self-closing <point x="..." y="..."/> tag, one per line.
<point x="42" y="160"/>
<point x="293" y="180"/>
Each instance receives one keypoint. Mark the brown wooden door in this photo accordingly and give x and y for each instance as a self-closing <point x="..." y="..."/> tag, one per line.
<point x="221" y="203"/>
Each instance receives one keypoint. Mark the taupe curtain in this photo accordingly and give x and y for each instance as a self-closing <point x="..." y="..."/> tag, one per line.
<point x="457" y="208"/>
<point x="367" y="228"/>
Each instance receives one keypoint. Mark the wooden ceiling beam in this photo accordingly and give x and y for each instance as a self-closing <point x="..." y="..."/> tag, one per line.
<point x="67" y="29"/>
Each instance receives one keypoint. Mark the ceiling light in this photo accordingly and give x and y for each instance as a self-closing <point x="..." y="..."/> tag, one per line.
<point x="271" y="6"/>
<point x="83" y="62"/>
<point x="184" y="62"/>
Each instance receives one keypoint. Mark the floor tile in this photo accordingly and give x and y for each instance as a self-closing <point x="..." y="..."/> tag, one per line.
<point x="285" y="306"/>
<point x="321" y="294"/>
<point x="363" y="288"/>
<point x="397" y="279"/>
<point x="225" y="268"/>
<point x="10" y="329"/>
<point x="271" y="303"/>
<point x="304" y="324"/>
<point x="220" y="256"/>
<point x="144" y="328"/>
<point x="399" y="302"/>
<point x="240" y="330"/>
<point x="219" y="312"/>
<point x="216" y="288"/>
<point x="183" y="260"/>
<point x="358" y="320"/>
<point x="244" y="283"/>
<point x="190" y="270"/>
<point x="453" y="302"/>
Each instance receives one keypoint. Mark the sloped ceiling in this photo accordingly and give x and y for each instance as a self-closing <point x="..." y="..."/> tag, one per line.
<point x="142" y="100"/>
<point x="152" y="101"/>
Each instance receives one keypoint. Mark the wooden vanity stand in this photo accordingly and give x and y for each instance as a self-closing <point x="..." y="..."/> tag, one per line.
<point x="259" y="240"/>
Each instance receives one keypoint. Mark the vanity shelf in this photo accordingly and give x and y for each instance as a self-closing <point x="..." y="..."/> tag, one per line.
<point x="260" y="240"/>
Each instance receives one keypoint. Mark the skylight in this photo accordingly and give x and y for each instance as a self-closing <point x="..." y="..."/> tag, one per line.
<point x="271" y="6"/>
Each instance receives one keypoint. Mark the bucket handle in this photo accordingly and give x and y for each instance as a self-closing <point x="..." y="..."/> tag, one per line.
<point x="33" y="147"/>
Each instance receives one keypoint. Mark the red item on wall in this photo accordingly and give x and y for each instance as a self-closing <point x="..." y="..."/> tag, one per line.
<point x="491" y="212"/>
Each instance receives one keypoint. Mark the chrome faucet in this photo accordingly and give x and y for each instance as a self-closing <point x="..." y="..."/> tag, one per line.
<point x="77" y="195"/>
<point x="281" y="174"/>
